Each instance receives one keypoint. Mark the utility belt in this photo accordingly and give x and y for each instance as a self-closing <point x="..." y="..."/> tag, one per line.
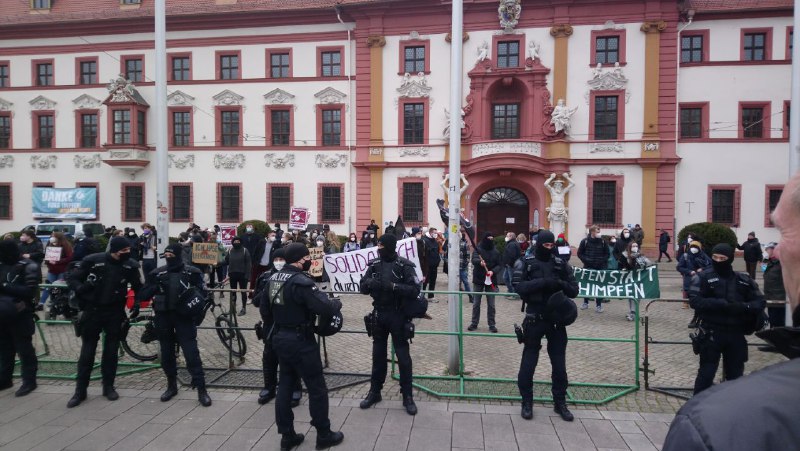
<point x="528" y="322"/>
<point x="372" y="327"/>
<point x="298" y="328"/>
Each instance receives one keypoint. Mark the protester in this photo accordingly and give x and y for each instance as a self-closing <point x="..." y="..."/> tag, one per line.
<point x="522" y="239"/>
<point x="594" y="254"/>
<point x="56" y="269"/>
<point x="621" y="245"/>
<point x="637" y="234"/>
<point x="463" y="262"/>
<point x="690" y="263"/>
<point x="511" y="254"/>
<point x="773" y="286"/>
<point x="352" y="243"/>
<point x="752" y="253"/>
<point x="561" y="249"/>
<point x="433" y="258"/>
<point x="31" y="247"/>
<point x="148" y="246"/>
<point x="486" y="264"/>
<point x="239" y="266"/>
<point x="633" y="260"/>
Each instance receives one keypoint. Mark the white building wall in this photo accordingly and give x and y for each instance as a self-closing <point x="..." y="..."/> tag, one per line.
<point x="579" y="197"/>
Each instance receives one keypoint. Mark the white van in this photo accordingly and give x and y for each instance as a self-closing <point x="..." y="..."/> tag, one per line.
<point x="45" y="229"/>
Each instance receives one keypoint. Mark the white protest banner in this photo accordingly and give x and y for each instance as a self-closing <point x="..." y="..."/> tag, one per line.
<point x="52" y="254"/>
<point x="346" y="269"/>
<point x="316" y="261"/>
<point x="298" y="218"/>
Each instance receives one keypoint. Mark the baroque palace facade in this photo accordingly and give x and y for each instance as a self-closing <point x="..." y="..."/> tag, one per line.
<point x="673" y="112"/>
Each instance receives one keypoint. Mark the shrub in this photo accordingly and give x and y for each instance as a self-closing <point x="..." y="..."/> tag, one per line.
<point x="709" y="234"/>
<point x="259" y="227"/>
<point x="15" y="234"/>
<point x="102" y="242"/>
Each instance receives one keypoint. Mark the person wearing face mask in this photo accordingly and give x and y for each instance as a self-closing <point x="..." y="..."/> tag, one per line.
<point x="56" y="269"/>
<point x="250" y="239"/>
<point x="623" y="240"/>
<point x="692" y="262"/>
<point x="293" y="306"/>
<point x="594" y="254"/>
<point x="262" y="258"/>
<point x="167" y="285"/>
<point x="390" y="280"/>
<point x="31" y="247"/>
<point x="433" y="257"/>
<point x="727" y="304"/>
<point x="239" y="266"/>
<point x="417" y="233"/>
<point x="100" y="283"/>
<point x="148" y="249"/>
<point x="352" y="243"/>
<point x="486" y="267"/>
<point x="562" y="249"/>
<point x="368" y="239"/>
<point x="537" y="279"/>
<point x="218" y="272"/>
<point x="633" y="260"/>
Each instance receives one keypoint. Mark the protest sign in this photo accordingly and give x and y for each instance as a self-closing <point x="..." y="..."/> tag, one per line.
<point x="316" y="261"/>
<point x="345" y="269"/>
<point x="638" y="284"/>
<point x="227" y="232"/>
<point x="52" y="254"/>
<point x="298" y="218"/>
<point x="205" y="253"/>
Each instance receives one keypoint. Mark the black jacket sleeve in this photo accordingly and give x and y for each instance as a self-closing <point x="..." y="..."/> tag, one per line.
<point x="317" y="301"/>
<point x="149" y="289"/>
<point x="77" y="278"/>
<point x="702" y="303"/>
<point x="135" y="278"/>
<point x="568" y="283"/>
<point x="409" y="288"/>
<point x="23" y="288"/>
<point x="366" y="280"/>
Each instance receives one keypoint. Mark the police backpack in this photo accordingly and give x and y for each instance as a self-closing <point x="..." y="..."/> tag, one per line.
<point x="561" y="310"/>
<point x="327" y="325"/>
<point x="416" y="307"/>
<point x="191" y="301"/>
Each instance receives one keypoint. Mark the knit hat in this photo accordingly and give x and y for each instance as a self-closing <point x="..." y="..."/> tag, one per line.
<point x="388" y="241"/>
<point x="118" y="243"/>
<point x="561" y="236"/>
<point x="771" y="245"/>
<point x="696" y="244"/>
<point x="723" y="249"/>
<point x="279" y="253"/>
<point x="414" y="230"/>
<point x="295" y="252"/>
<point x="174" y="248"/>
<point x="545" y="236"/>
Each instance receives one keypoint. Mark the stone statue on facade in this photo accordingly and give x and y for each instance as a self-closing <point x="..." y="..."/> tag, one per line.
<point x="561" y="117"/>
<point x="483" y="52"/>
<point x="508" y="13"/>
<point x="534" y="50"/>
<point x="557" y="211"/>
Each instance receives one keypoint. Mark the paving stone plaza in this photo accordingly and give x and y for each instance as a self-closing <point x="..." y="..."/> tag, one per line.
<point x="636" y="421"/>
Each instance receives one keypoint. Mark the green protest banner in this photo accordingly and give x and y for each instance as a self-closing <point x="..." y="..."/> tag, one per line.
<point x="600" y="283"/>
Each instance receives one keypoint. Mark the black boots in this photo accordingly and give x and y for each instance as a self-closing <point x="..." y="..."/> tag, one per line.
<point x="408" y="403"/>
<point x="266" y="395"/>
<point x="26" y="388"/>
<point x="328" y="439"/>
<point x="289" y="441"/>
<point x="243" y="311"/>
<point x="373" y="397"/>
<point x="110" y="393"/>
<point x="561" y="409"/>
<point x="202" y="396"/>
<point x="172" y="389"/>
<point x="77" y="398"/>
<point x="527" y="410"/>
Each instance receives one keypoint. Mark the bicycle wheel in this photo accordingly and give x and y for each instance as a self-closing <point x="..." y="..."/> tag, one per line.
<point x="141" y="342"/>
<point x="225" y="330"/>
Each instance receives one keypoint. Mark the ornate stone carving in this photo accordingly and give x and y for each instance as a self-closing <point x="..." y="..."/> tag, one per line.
<point x="605" y="170"/>
<point x="508" y="12"/>
<point x="534" y="51"/>
<point x="181" y="163"/>
<point x="376" y="41"/>
<point x="562" y="116"/>
<point x="227" y="98"/>
<point x="651" y="146"/>
<point x="376" y="151"/>
<point x="608" y="80"/>
<point x="229" y="161"/>
<point x="122" y="90"/>
<point x="605" y="147"/>
<point x="43" y="161"/>
<point x="483" y="52"/>
<point x="493" y="148"/>
<point x="654" y="26"/>
<point x="332" y="161"/>
<point x="414" y="151"/>
<point x="127" y="154"/>
<point x="330" y="95"/>
<point x="86" y="102"/>
<point x="87" y="162"/>
<point x="7" y="161"/>
<point x="180" y="98"/>
<point x="562" y="30"/>
<point x="42" y="103"/>
<point x="557" y="212"/>
<point x="414" y="87"/>
<point x="5" y="105"/>
<point x="279" y="162"/>
<point x="446" y="131"/>
<point x="278" y="97"/>
<point x="610" y="25"/>
<point x="449" y="37"/>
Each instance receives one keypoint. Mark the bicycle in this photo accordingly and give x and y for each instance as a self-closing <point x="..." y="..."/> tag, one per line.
<point x="227" y="327"/>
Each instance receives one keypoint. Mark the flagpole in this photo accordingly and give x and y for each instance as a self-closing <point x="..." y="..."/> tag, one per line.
<point x="794" y="118"/>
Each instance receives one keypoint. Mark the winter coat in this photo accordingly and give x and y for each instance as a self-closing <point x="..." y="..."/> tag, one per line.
<point x="663" y="241"/>
<point x="60" y="266"/>
<point x="773" y="282"/>
<point x="752" y="250"/>
<point x="34" y="249"/>
<point x="493" y="262"/>
<point x="692" y="262"/>
<point x="593" y="252"/>
<point x="621" y="246"/>
<point x="512" y="253"/>
<point x="238" y="261"/>
<point x="351" y="246"/>
<point x="632" y="264"/>
<point x="637" y="235"/>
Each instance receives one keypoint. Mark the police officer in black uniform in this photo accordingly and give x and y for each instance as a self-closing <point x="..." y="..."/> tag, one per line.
<point x="165" y="285"/>
<point x="101" y="283"/>
<point x="19" y="278"/>
<point x="269" y="359"/>
<point x="727" y="304"/>
<point x="536" y="279"/>
<point x="296" y="301"/>
<point x="390" y="280"/>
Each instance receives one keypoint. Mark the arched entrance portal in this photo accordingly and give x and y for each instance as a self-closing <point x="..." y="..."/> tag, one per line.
<point x="503" y="209"/>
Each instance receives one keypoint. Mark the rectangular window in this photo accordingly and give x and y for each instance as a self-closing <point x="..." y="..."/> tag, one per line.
<point x="691" y="122"/>
<point x="279" y="200"/>
<point x="134" y="202"/>
<point x="5" y="132"/>
<point x="331" y="204"/>
<point x="88" y="72"/>
<point x="180" y="68"/>
<point x="122" y="127"/>
<point x="604" y="202"/>
<point x="230" y="128"/>
<point x="508" y="54"/>
<point x="140" y="128"/>
<point x="181" y="128"/>
<point x="5" y="81"/>
<point x="40" y="4"/>
<point x="5" y="201"/>
<point x="181" y="203"/>
<point x="89" y="130"/>
<point x="412" y="201"/>
<point x="331" y="64"/>
<point x="279" y="65"/>
<point x="414" y="60"/>
<point x="790" y="43"/>
<point x="606" y="49"/>
<point x="755" y="46"/>
<point x="692" y="49"/>
<point x="505" y="121"/>
<point x="773" y="196"/>
<point x="229" y="197"/>
<point x="753" y="122"/>
<point x="229" y="67"/>
<point x="605" y="117"/>
<point x="133" y="70"/>
<point x="46" y="126"/>
<point x="280" y="127"/>
<point x="44" y="74"/>
<point x="414" y="123"/>
<point x="331" y="127"/>
<point x="723" y="206"/>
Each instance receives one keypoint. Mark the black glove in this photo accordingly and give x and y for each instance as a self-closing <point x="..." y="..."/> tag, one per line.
<point x="737" y="308"/>
<point x="554" y="284"/>
<point x="134" y="311"/>
<point x="387" y="286"/>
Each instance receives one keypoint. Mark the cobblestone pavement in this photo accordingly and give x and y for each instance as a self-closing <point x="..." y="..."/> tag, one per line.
<point x="491" y="356"/>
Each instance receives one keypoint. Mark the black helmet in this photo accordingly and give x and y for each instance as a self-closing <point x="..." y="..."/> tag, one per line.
<point x="328" y="325"/>
<point x="561" y="310"/>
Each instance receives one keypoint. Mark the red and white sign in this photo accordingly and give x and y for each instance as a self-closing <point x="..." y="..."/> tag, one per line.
<point x="227" y="232"/>
<point x="298" y="218"/>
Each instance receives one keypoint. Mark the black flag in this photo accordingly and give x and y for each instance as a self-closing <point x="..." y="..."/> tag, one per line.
<point x="445" y="215"/>
<point x="400" y="229"/>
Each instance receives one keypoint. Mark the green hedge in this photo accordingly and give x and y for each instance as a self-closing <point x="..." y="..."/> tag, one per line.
<point x="260" y="227"/>
<point x="710" y="234"/>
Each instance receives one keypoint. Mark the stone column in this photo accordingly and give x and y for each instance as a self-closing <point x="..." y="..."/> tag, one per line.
<point x="376" y="44"/>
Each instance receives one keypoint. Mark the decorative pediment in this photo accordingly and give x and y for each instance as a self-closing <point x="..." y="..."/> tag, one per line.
<point x="180" y="98"/>
<point x="278" y="97"/>
<point x="42" y="103"/>
<point x="608" y="80"/>
<point x="270" y="160"/>
<point x="87" y="102"/>
<point x="5" y="105"/>
<point x="122" y="90"/>
<point x="330" y="95"/>
<point x="610" y="25"/>
<point x="227" y="98"/>
<point x="414" y="86"/>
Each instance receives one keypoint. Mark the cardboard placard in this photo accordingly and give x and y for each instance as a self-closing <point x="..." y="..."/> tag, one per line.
<point x="205" y="253"/>
<point x="316" y="261"/>
<point x="52" y="254"/>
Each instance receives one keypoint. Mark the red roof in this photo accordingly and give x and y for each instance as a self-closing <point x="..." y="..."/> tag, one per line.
<point x="19" y="12"/>
<point x="737" y="5"/>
